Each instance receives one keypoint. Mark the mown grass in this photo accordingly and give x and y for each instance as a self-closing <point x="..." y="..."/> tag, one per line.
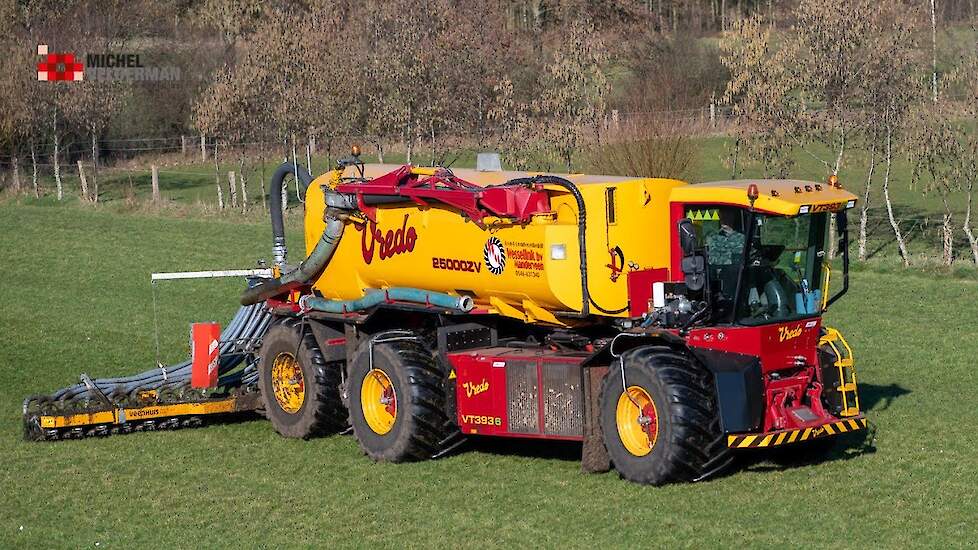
<point x="76" y="298"/>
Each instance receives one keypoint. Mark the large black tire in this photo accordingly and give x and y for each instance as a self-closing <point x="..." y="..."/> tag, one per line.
<point x="689" y="442"/>
<point x="322" y="411"/>
<point x="420" y="423"/>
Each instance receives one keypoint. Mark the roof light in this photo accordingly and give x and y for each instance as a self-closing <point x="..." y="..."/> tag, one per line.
<point x="834" y="181"/>
<point x="808" y="188"/>
<point x="851" y="203"/>
<point x="797" y="189"/>
<point x="818" y="187"/>
<point x="804" y="209"/>
<point x="752" y="192"/>
<point x="774" y="193"/>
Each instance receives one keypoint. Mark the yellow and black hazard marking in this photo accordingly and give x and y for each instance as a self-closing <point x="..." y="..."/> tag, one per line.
<point x="773" y="439"/>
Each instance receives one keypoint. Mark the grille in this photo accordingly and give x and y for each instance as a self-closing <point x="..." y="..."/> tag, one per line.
<point x="563" y="412"/>
<point x="522" y="396"/>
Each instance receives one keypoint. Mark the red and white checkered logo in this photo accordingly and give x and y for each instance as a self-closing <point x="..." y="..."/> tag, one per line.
<point x="58" y="66"/>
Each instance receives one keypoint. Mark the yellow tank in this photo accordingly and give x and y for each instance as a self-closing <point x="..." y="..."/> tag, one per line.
<point x="524" y="271"/>
<point x="532" y="271"/>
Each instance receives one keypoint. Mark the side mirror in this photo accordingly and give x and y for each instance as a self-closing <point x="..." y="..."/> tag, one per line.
<point x="693" y="264"/>
<point x="688" y="241"/>
<point x="841" y="221"/>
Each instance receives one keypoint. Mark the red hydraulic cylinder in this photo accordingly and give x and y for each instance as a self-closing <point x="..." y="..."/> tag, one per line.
<point x="205" y="353"/>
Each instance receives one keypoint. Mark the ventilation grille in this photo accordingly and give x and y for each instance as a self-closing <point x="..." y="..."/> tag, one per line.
<point x="522" y="396"/>
<point x="563" y="412"/>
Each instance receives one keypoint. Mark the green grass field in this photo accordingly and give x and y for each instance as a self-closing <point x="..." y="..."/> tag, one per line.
<point x="76" y="298"/>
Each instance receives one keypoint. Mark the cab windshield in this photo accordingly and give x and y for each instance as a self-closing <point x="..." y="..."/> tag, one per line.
<point x="783" y="277"/>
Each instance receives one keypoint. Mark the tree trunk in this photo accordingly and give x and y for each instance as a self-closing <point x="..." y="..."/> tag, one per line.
<point x="380" y="152"/>
<point x="833" y="239"/>
<point x="56" y="161"/>
<point x="84" y="181"/>
<point x="972" y="240"/>
<point x="94" y="165"/>
<point x="933" y="36"/>
<point x="864" y="211"/>
<point x="309" y="155"/>
<point x="217" y="178"/>
<point x="244" y="185"/>
<point x="261" y="179"/>
<point x="37" y="190"/>
<point x="889" y="204"/>
<point x="244" y="192"/>
<point x="947" y="233"/>
<point x="233" y="189"/>
<point x="16" y="173"/>
<point x="156" y="183"/>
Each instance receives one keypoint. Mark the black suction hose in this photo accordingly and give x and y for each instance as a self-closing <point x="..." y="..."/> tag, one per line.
<point x="338" y="208"/>
<point x="275" y="205"/>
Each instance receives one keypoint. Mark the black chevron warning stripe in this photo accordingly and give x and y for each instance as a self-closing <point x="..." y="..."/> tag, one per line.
<point x="773" y="439"/>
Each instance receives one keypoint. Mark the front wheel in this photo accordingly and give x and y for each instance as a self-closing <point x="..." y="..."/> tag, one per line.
<point x="662" y="426"/>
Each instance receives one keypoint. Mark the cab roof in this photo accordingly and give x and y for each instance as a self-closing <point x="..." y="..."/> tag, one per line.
<point x="784" y="197"/>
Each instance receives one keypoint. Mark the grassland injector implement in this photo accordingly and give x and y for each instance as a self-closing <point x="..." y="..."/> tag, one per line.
<point x="665" y="325"/>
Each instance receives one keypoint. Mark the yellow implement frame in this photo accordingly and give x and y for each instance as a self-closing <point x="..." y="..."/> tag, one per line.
<point x="121" y="415"/>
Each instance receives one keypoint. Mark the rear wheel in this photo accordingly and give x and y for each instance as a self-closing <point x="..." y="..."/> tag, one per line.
<point x="664" y="427"/>
<point x="397" y="399"/>
<point x="300" y="390"/>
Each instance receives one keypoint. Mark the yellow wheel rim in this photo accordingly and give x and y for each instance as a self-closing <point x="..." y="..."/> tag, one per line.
<point x="287" y="383"/>
<point x="637" y="420"/>
<point x="378" y="401"/>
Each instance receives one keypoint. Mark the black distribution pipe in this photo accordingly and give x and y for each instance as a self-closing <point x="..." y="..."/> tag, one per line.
<point x="581" y="236"/>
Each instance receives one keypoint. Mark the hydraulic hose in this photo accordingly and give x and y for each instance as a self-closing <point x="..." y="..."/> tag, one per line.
<point x="376" y="297"/>
<point x="586" y="301"/>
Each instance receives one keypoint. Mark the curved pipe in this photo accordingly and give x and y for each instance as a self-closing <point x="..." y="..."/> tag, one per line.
<point x="338" y="207"/>
<point x="376" y="297"/>
<point x="308" y="269"/>
<point x="279" y="249"/>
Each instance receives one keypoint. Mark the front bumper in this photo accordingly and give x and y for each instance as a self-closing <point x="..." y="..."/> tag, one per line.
<point x="785" y="437"/>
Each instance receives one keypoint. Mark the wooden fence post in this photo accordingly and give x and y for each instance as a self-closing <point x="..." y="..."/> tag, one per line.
<point x="156" y="183"/>
<point x="84" y="181"/>
<point x="183" y="146"/>
<point x="203" y="148"/>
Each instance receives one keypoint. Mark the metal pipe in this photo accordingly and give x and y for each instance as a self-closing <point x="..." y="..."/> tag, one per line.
<point x="376" y="297"/>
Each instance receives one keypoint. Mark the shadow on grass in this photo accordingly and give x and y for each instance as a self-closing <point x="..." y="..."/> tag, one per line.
<point x="874" y="397"/>
<point x="820" y="451"/>
<point x="530" y="448"/>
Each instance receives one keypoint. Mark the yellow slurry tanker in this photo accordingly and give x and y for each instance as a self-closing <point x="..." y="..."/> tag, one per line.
<point x="665" y="325"/>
